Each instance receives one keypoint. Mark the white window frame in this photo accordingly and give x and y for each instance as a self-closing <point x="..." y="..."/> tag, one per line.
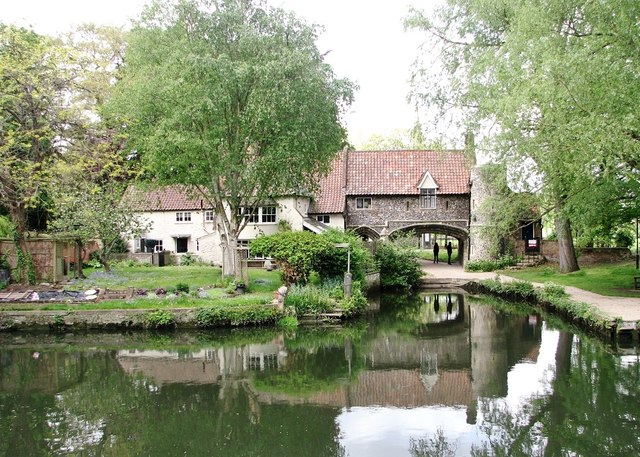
<point x="361" y="202"/>
<point x="209" y="215"/>
<point x="183" y="216"/>
<point x="266" y="214"/>
<point x="260" y="214"/>
<point x="159" y="247"/>
<point x="324" y="218"/>
<point x="428" y="198"/>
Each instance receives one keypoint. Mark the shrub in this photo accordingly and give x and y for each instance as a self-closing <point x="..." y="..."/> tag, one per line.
<point x="160" y="318"/>
<point x="551" y="291"/>
<point x="189" y="259"/>
<point x="182" y="287"/>
<point x="490" y="265"/>
<point x="297" y="253"/>
<point x="4" y="262"/>
<point x="399" y="267"/>
<point x="218" y="316"/>
<point x="309" y="300"/>
<point x="288" y="322"/>
<point x="356" y="303"/>
<point x="333" y="262"/>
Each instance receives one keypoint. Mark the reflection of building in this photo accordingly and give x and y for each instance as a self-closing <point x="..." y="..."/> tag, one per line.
<point x="206" y="366"/>
<point x="449" y="362"/>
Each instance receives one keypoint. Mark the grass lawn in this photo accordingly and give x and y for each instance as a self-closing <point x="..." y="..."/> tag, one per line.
<point x="262" y="284"/>
<point x="148" y="277"/>
<point x="427" y="254"/>
<point x="605" y="279"/>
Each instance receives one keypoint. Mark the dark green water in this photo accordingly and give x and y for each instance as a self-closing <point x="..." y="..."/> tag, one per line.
<point x="419" y="377"/>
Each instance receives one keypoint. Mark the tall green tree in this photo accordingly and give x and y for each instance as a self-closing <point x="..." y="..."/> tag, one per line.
<point x="233" y="99"/>
<point x="88" y="181"/>
<point x="34" y="116"/>
<point x="557" y="80"/>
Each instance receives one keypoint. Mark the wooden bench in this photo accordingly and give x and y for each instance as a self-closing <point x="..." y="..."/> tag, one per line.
<point x="636" y="282"/>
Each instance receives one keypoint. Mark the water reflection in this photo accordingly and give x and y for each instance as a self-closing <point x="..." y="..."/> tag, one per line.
<point x="432" y="374"/>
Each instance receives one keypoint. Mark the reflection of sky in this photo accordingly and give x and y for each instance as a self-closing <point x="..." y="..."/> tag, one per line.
<point x="526" y="379"/>
<point x="379" y="431"/>
<point x="386" y="432"/>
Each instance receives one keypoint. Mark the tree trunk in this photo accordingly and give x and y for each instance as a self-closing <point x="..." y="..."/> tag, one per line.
<point x="231" y="261"/>
<point x="19" y="218"/>
<point x="104" y="260"/>
<point x="566" y="250"/>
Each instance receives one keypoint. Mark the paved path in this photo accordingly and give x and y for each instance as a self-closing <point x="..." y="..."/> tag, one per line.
<point x="625" y="308"/>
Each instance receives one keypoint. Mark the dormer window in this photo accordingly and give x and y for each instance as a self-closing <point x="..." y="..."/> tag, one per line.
<point x="427" y="188"/>
<point x="427" y="198"/>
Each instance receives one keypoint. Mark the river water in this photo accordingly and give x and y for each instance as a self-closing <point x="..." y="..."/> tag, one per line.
<point x="424" y="375"/>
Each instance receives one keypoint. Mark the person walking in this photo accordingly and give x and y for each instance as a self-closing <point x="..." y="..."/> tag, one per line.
<point x="436" y="250"/>
<point x="449" y="251"/>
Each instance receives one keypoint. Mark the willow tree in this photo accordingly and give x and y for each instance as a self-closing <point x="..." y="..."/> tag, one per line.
<point x="557" y="79"/>
<point x="233" y="99"/>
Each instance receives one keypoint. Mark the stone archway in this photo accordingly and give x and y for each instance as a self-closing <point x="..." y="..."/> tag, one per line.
<point x="367" y="233"/>
<point x="460" y="234"/>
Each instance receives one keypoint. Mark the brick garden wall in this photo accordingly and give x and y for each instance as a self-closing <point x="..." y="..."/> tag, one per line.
<point x="47" y="255"/>
<point x="588" y="256"/>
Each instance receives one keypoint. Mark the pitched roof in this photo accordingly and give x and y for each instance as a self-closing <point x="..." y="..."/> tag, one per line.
<point x="170" y="198"/>
<point x="400" y="172"/>
<point x="389" y="173"/>
<point x="330" y="196"/>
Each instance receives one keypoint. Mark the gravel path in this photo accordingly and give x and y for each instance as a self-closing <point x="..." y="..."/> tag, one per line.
<point x="625" y="308"/>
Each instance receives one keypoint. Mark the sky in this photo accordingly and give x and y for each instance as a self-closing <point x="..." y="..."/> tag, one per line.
<point x="364" y="40"/>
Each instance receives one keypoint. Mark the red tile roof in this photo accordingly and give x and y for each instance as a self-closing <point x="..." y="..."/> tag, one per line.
<point x="170" y="198"/>
<point x="390" y="173"/>
<point x="330" y="196"/>
<point x="400" y="172"/>
<point x="368" y="173"/>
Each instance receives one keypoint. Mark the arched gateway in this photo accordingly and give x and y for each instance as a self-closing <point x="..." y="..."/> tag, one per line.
<point x="442" y="232"/>
<point x="377" y="193"/>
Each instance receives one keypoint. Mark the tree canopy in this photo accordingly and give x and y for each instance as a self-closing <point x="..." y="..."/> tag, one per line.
<point x="34" y="114"/>
<point x="556" y="80"/>
<point x="232" y="98"/>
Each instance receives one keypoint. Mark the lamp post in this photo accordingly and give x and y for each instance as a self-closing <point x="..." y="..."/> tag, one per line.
<point x="637" y="257"/>
<point x="347" y="276"/>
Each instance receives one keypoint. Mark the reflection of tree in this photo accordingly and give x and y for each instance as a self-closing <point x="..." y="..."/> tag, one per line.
<point x="317" y="360"/>
<point x="109" y="413"/>
<point x="592" y="408"/>
<point x="438" y="446"/>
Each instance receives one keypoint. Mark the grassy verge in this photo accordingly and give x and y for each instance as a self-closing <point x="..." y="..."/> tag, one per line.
<point x="553" y="297"/>
<point x="605" y="279"/>
<point x="262" y="284"/>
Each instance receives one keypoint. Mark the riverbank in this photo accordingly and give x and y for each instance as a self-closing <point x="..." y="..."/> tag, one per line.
<point x="621" y="314"/>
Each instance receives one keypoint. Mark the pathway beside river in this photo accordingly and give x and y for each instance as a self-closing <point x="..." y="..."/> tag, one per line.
<point x="625" y="308"/>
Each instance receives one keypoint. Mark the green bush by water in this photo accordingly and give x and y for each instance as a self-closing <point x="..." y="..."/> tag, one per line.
<point x="399" y="267"/>
<point x="221" y="316"/>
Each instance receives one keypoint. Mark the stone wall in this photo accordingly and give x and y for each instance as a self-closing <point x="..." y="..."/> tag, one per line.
<point x="588" y="256"/>
<point x="397" y="211"/>
<point x="480" y="246"/>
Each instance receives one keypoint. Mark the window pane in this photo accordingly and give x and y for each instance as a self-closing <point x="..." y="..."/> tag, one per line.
<point x="428" y="198"/>
<point x="268" y="213"/>
<point x="363" y="202"/>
